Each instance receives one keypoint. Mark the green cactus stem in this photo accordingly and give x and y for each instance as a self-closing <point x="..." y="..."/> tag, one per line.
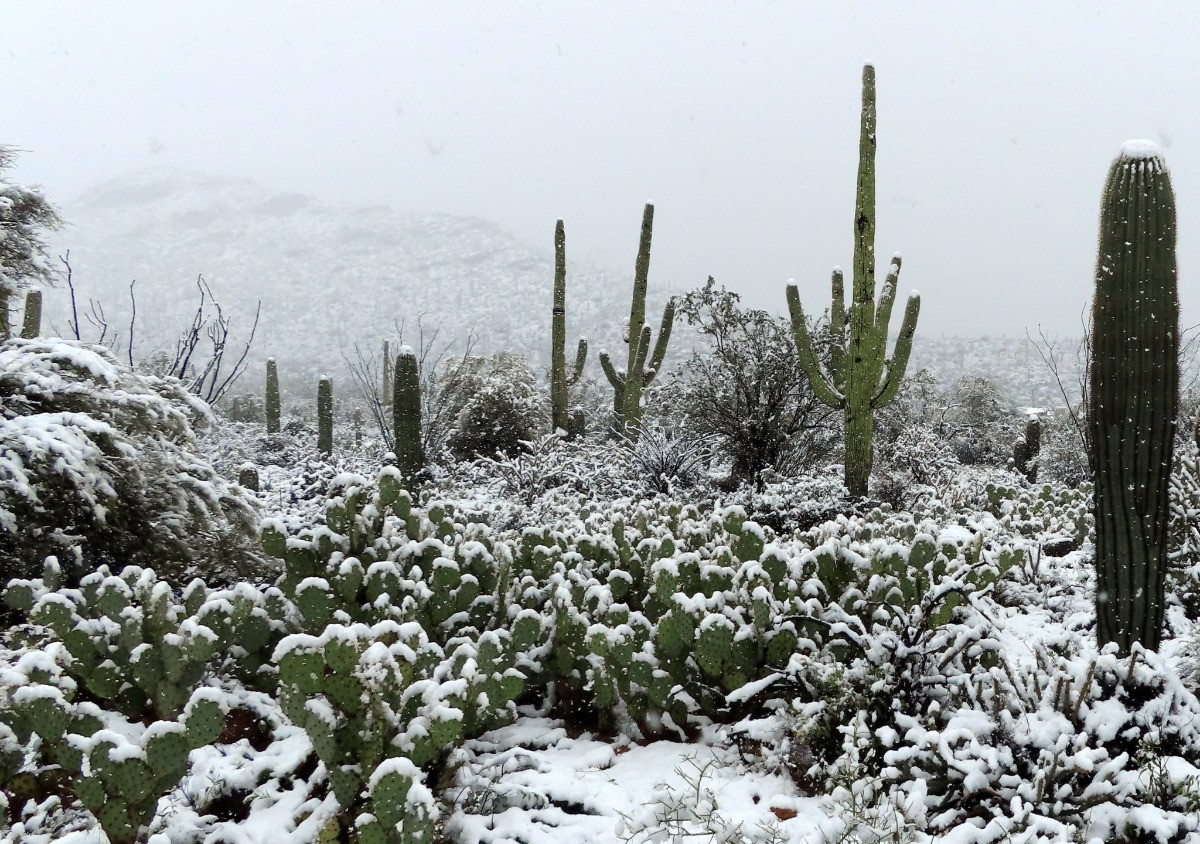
<point x="325" y="416"/>
<point x="642" y="366"/>
<point x="406" y="416"/>
<point x="388" y="376"/>
<point x="32" y="327"/>
<point x="1025" y="450"/>
<point x="272" y="403"/>
<point x="560" y="380"/>
<point x="1134" y="395"/>
<point x="861" y="378"/>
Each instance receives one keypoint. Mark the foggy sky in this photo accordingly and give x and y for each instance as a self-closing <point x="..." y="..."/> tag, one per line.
<point x="997" y="123"/>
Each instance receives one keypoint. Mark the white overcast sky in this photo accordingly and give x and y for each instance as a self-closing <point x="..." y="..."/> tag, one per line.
<point x="997" y="122"/>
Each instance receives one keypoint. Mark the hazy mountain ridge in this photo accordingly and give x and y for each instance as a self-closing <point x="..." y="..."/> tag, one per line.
<point x="333" y="275"/>
<point x="329" y="275"/>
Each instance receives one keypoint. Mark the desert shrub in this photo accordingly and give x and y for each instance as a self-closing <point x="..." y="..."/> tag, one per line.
<point x="501" y="407"/>
<point x="98" y="466"/>
<point x="746" y="392"/>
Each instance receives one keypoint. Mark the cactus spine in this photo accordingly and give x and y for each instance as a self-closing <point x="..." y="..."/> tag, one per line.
<point x="559" y="379"/>
<point x="325" y="415"/>
<point x="32" y="327"/>
<point x="860" y="377"/>
<point x="1134" y="395"/>
<point x="406" y="416"/>
<point x="272" y="404"/>
<point x="642" y="366"/>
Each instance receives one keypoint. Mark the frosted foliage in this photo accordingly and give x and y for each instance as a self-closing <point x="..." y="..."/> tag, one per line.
<point x="97" y="466"/>
<point x="24" y="216"/>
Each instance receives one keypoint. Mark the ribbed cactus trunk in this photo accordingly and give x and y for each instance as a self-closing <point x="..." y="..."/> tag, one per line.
<point x="32" y="326"/>
<point x="642" y="365"/>
<point x="560" y="380"/>
<point x="272" y="400"/>
<point x="406" y="416"/>
<point x="861" y="378"/>
<point x="325" y="416"/>
<point x="1134" y="395"/>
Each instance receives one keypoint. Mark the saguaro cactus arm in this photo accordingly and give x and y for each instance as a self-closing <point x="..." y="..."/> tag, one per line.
<point x="822" y="385"/>
<point x="660" y="347"/>
<point x="897" y="364"/>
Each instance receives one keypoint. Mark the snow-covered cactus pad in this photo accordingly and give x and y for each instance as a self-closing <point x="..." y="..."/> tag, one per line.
<point x="133" y="644"/>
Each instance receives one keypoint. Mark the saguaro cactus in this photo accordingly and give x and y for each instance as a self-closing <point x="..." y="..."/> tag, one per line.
<point x="560" y="381"/>
<point x="325" y="415"/>
<point x="642" y="366"/>
<point x="272" y="402"/>
<point x="1025" y="450"/>
<point x="860" y="378"/>
<point x="1134" y="394"/>
<point x="32" y="327"/>
<point x="406" y="416"/>
<point x="388" y="376"/>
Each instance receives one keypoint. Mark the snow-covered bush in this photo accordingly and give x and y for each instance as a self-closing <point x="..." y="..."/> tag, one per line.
<point x="1062" y="458"/>
<point x="98" y="465"/>
<point x="502" y="407"/>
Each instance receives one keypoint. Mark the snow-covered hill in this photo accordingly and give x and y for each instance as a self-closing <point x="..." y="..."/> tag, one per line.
<point x="329" y="275"/>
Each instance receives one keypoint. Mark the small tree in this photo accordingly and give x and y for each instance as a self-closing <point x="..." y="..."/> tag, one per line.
<point x="25" y="216"/>
<point x="746" y="389"/>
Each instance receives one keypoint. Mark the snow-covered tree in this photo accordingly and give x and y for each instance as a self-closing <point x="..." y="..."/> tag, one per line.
<point x="746" y="390"/>
<point x="97" y="465"/>
<point x="25" y="216"/>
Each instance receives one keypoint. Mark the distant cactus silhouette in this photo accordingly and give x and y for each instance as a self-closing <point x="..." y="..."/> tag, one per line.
<point x="32" y="326"/>
<point x="272" y="401"/>
<point x="642" y="366"/>
<point x="325" y="416"/>
<point x="560" y="380"/>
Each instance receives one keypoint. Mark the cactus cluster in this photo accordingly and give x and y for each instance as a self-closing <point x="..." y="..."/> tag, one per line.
<point x="642" y="364"/>
<point x="861" y="378"/>
<point x="133" y="645"/>
<point x="117" y="776"/>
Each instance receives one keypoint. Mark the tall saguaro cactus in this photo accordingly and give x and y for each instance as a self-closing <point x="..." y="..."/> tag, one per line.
<point x="1134" y="394"/>
<point x="560" y="380"/>
<point x="325" y="415"/>
<point x="642" y="365"/>
<point x="861" y="378"/>
<point x="272" y="401"/>
<point x="406" y="415"/>
<point x="32" y="325"/>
